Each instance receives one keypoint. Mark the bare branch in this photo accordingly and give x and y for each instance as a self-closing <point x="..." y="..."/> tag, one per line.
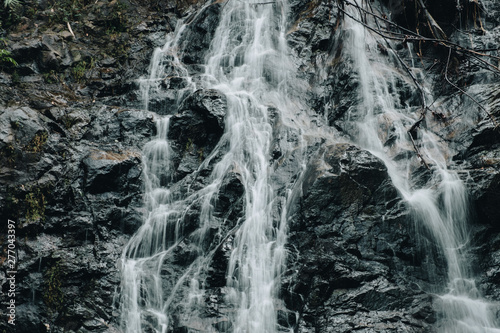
<point x="465" y="93"/>
<point x="436" y="30"/>
<point x="440" y="38"/>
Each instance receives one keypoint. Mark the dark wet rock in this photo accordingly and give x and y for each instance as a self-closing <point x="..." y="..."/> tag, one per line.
<point x="109" y="171"/>
<point x="194" y="133"/>
<point x="70" y="170"/>
<point x="51" y="56"/>
<point x="66" y="192"/>
<point x="31" y="322"/>
<point x="311" y="30"/>
<point x="20" y="126"/>
<point x="196" y="40"/>
<point x="478" y="145"/>
<point x="344" y="90"/>
<point x="211" y="104"/>
<point x="197" y="128"/>
<point x="27" y="50"/>
<point x="229" y="203"/>
<point x="27" y="69"/>
<point x="486" y="133"/>
<point x="347" y="269"/>
<point x="483" y="181"/>
<point x="62" y="157"/>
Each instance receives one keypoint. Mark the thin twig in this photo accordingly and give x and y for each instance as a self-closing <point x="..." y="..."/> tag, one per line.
<point x="412" y="36"/>
<point x="412" y="131"/>
<point x="465" y="93"/>
<point x="433" y="25"/>
<point x="382" y="18"/>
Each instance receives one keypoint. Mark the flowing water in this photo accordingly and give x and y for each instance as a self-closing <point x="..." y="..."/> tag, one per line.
<point x="248" y="62"/>
<point x="439" y="208"/>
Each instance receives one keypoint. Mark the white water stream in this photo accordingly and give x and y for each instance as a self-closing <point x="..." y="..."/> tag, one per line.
<point x="248" y="62"/>
<point x="440" y="208"/>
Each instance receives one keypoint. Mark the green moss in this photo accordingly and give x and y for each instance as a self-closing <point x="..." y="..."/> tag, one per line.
<point x="120" y="49"/>
<point x="9" y="153"/>
<point x="37" y="143"/>
<point x="68" y="122"/>
<point x="53" y="295"/>
<point x="12" y="203"/>
<point x="117" y="20"/>
<point x="81" y="68"/>
<point x="6" y="59"/>
<point x="189" y="145"/>
<point x="50" y="77"/>
<point x="79" y="71"/>
<point x="201" y="155"/>
<point x="66" y="10"/>
<point x="16" y="78"/>
<point x="31" y="12"/>
<point x="35" y="205"/>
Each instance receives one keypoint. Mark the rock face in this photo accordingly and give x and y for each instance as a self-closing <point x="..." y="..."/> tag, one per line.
<point x="351" y="267"/>
<point x="75" y="195"/>
<point x="72" y="131"/>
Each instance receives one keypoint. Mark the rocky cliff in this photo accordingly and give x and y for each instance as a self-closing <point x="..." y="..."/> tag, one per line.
<point x="73" y="129"/>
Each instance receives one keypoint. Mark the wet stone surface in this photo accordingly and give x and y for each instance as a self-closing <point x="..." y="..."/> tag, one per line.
<point x="71" y="135"/>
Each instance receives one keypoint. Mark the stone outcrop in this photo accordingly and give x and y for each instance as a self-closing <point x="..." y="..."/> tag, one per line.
<point x="72" y="182"/>
<point x="349" y="267"/>
<point x="72" y="131"/>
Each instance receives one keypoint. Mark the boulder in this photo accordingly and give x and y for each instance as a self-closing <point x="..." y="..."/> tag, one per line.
<point x="199" y="32"/>
<point x="111" y="171"/>
<point x="347" y="269"/>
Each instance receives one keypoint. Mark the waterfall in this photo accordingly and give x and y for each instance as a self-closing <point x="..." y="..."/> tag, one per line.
<point x="439" y="208"/>
<point x="248" y="62"/>
<point x="142" y="259"/>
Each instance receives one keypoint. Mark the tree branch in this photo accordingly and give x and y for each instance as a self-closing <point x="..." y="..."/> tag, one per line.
<point x="413" y="132"/>
<point x="436" y="30"/>
<point x="465" y="93"/>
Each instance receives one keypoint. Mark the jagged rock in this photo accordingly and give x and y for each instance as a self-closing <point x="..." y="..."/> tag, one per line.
<point x="200" y="121"/>
<point x="196" y="40"/>
<point x="313" y="26"/>
<point x="478" y="145"/>
<point x="51" y="56"/>
<point x="211" y="104"/>
<point x="26" y="69"/>
<point x="27" y="50"/>
<point x="346" y="254"/>
<point x="70" y="171"/>
<point x="228" y="204"/>
<point x="109" y="171"/>
<point x="31" y="322"/>
<point x="20" y="125"/>
<point x="483" y="180"/>
<point x="63" y="217"/>
<point x="195" y="131"/>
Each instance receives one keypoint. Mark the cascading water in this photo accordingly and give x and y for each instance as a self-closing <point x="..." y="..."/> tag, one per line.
<point x="248" y="62"/>
<point x="141" y="263"/>
<point x="440" y="208"/>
